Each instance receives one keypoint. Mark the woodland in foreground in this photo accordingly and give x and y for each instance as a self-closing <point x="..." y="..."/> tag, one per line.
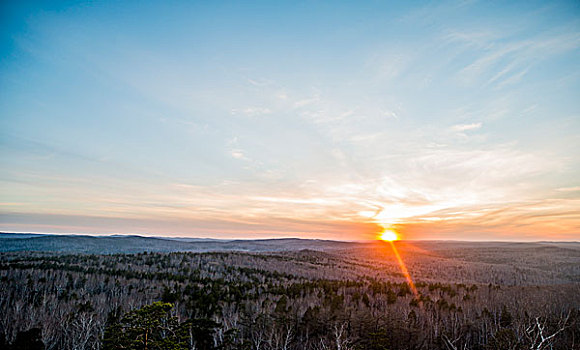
<point x="352" y="298"/>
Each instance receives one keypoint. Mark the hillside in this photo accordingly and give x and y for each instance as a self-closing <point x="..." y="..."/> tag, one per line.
<point x="13" y="242"/>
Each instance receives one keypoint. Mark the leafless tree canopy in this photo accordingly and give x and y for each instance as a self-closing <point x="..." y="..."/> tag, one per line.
<point x="486" y="297"/>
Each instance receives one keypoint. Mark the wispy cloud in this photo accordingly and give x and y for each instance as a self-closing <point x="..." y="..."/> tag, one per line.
<point x="505" y="62"/>
<point x="466" y="127"/>
<point x="238" y="154"/>
<point x="568" y="189"/>
<point x="253" y="111"/>
<point x="520" y="220"/>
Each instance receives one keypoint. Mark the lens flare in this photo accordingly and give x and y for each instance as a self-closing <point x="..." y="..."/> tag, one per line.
<point x="404" y="270"/>
<point x="390" y="236"/>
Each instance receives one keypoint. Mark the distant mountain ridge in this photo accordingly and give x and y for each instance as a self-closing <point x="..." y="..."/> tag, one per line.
<point x="131" y="244"/>
<point x="115" y="244"/>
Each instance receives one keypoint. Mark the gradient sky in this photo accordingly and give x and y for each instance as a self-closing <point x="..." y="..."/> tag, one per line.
<point x="446" y="120"/>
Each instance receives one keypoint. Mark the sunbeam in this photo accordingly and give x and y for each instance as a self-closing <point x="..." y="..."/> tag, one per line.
<point x="404" y="270"/>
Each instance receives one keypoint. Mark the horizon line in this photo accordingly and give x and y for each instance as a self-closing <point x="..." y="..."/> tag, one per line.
<point x="113" y="235"/>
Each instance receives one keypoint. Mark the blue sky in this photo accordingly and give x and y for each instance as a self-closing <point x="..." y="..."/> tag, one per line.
<point x="444" y="120"/>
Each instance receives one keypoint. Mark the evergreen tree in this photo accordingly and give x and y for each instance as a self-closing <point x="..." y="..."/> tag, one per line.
<point x="148" y="328"/>
<point x="152" y="327"/>
<point x="505" y="319"/>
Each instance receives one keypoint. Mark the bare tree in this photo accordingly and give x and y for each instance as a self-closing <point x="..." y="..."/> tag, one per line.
<point x="540" y="336"/>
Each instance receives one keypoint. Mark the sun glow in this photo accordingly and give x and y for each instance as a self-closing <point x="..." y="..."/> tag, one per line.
<point x="389" y="235"/>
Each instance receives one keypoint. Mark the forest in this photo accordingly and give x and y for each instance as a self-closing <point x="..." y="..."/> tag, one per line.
<point x="462" y="296"/>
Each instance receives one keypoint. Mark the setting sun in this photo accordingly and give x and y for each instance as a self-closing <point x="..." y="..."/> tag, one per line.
<point x="389" y="235"/>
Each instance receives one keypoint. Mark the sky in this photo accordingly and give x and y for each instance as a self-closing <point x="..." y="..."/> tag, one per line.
<point x="453" y="120"/>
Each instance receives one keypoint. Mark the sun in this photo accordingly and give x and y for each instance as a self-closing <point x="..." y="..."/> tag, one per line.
<point x="389" y="235"/>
